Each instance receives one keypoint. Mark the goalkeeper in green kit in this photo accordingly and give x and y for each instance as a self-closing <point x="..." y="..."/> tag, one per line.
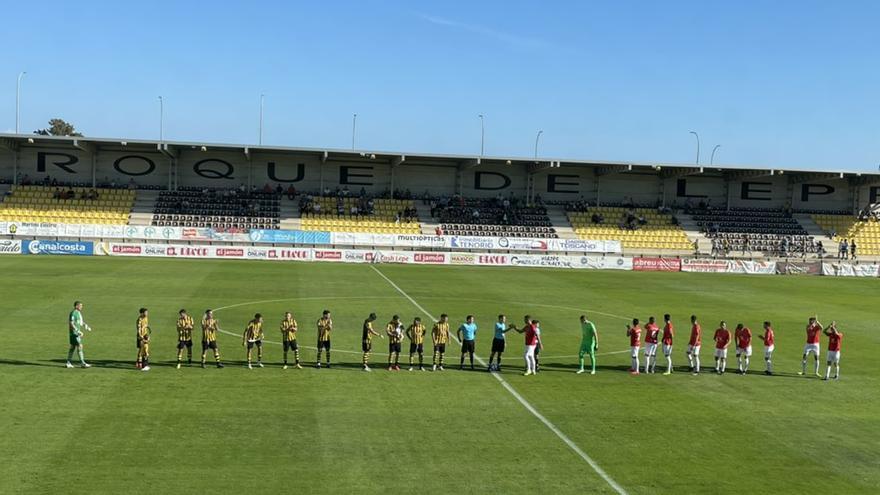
<point x="75" y="326"/>
<point x="589" y="344"/>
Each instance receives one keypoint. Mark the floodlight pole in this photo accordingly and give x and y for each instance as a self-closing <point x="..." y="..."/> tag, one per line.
<point x="482" y="134"/>
<point x="18" y="101"/>
<point x="698" y="145"/>
<point x="262" y="100"/>
<point x="712" y="158"/>
<point x="354" y="119"/>
<point x="536" y="144"/>
<point x="161" y="119"/>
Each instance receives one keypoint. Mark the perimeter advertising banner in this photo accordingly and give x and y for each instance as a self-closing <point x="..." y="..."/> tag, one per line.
<point x="10" y="246"/>
<point x="77" y="248"/>
<point x="361" y="256"/>
<point x="728" y="266"/>
<point x="657" y="264"/>
<point x="844" y="269"/>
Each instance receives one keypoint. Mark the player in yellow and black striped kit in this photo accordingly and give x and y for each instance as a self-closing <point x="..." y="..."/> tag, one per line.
<point x="184" y="337"/>
<point x="440" y="337"/>
<point x="288" y="338"/>
<point x="253" y="336"/>
<point x="367" y="339"/>
<point x="325" y="326"/>
<point x="209" y="337"/>
<point x="416" y="335"/>
<point x="395" y="336"/>
<point x="142" y="327"/>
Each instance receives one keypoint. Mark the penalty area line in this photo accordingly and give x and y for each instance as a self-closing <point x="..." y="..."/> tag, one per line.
<point x="529" y="407"/>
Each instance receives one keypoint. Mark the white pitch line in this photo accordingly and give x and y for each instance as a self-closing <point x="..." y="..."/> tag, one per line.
<point x="562" y="436"/>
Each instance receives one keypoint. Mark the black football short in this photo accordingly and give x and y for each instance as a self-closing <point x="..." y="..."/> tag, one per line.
<point x="209" y="345"/>
<point x="258" y="343"/>
<point x="394" y="347"/>
<point x="416" y="348"/>
<point x="323" y="344"/>
<point x="184" y="343"/>
<point x="441" y="348"/>
<point x="367" y="345"/>
<point x="498" y="345"/>
<point x="468" y="346"/>
<point x="290" y="345"/>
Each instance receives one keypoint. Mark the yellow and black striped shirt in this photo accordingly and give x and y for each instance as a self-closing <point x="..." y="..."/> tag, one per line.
<point x="368" y="331"/>
<point x="440" y="333"/>
<point x="325" y="326"/>
<point x="394" y="331"/>
<point x="253" y="331"/>
<point x="416" y="333"/>
<point x="288" y="329"/>
<point x="209" y="330"/>
<point x="184" y="328"/>
<point x="143" y="328"/>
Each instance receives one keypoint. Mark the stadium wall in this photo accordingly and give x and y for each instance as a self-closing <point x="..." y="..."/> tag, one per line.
<point x="151" y="164"/>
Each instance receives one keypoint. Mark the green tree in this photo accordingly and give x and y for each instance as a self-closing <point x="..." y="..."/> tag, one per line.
<point x="58" y="127"/>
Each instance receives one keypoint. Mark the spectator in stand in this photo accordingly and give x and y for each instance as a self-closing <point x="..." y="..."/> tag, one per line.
<point x="438" y="231"/>
<point x="70" y="194"/>
<point x="132" y="185"/>
<point x="747" y="245"/>
<point x="56" y="194"/>
<point x="852" y="249"/>
<point x="354" y="210"/>
<point x="842" y="248"/>
<point x="291" y="192"/>
<point x="279" y="190"/>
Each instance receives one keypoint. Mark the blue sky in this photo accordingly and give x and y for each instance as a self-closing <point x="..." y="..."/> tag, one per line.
<point x="783" y="83"/>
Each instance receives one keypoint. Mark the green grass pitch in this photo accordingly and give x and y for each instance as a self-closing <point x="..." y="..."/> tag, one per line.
<point x="111" y="429"/>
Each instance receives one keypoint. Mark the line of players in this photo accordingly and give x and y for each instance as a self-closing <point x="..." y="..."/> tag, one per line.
<point x="252" y="339"/>
<point x="742" y="337"/>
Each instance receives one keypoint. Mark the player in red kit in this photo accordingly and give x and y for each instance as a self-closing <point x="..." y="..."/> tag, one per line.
<point x="814" y="330"/>
<point x="834" y="338"/>
<point x="722" y="340"/>
<point x="652" y="337"/>
<point x="743" y="336"/>
<point x="634" y="332"/>
<point x="693" y="350"/>
<point x="668" y="334"/>
<point x="769" y="346"/>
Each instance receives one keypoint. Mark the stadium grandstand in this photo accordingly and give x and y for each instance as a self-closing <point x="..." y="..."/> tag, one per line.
<point x="340" y="213"/>
<point x="48" y="204"/>
<point x="651" y="208"/>
<point x="864" y="230"/>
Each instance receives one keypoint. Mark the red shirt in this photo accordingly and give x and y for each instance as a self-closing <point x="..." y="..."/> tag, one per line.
<point x="651" y="333"/>
<point x="667" y="334"/>
<point x="635" y="336"/>
<point x="813" y="332"/>
<point x="834" y="341"/>
<point x="531" y="335"/>
<point x="696" y="335"/>
<point x="744" y="338"/>
<point x="768" y="336"/>
<point x="722" y="337"/>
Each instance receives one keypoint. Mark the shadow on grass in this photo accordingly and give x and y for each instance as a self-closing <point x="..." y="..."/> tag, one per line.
<point x="128" y="365"/>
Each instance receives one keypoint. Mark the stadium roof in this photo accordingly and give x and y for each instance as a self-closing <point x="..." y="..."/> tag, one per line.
<point x="603" y="167"/>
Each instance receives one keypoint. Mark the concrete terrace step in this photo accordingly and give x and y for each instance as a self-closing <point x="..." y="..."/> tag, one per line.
<point x="559" y="221"/>
<point x="140" y="218"/>
<point x="812" y="229"/>
<point x="427" y="223"/>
